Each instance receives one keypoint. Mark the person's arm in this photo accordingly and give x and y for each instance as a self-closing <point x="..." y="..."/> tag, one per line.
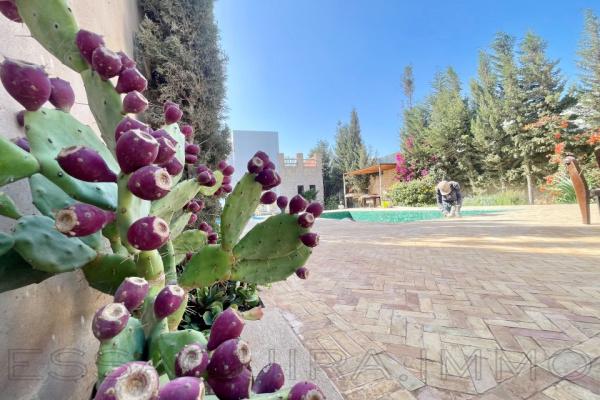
<point x="459" y="196"/>
<point x="439" y="199"/>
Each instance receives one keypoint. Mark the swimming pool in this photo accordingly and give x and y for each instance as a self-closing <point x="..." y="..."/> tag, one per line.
<point x="395" y="216"/>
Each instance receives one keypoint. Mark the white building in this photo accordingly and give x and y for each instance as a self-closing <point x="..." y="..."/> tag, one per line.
<point x="298" y="174"/>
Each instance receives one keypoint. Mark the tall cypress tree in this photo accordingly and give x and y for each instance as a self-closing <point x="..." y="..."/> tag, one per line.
<point x="408" y="85"/>
<point x="589" y="64"/>
<point x="351" y="152"/>
<point x="177" y="49"/>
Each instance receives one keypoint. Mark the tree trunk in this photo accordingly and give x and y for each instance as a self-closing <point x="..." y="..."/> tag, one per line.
<point x="530" y="188"/>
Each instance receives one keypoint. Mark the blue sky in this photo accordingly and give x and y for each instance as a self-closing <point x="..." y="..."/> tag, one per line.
<point x="298" y="67"/>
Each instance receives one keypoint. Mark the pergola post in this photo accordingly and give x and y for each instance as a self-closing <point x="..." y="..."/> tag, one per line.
<point x="380" y="189"/>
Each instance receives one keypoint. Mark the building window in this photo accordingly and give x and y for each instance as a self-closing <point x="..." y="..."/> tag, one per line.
<point x="300" y="189"/>
<point x="313" y="188"/>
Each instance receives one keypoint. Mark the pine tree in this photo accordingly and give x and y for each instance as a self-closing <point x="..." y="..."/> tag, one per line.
<point x="351" y="153"/>
<point x="589" y="64"/>
<point x="491" y="141"/>
<point x="449" y="131"/>
<point x="332" y="177"/>
<point x="408" y="85"/>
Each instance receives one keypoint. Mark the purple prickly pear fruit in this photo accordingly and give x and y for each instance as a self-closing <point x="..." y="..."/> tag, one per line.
<point x="192" y="360"/>
<point x="205" y="227"/>
<point x="133" y="380"/>
<point x="173" y="166"/>
<point x="263" y="156"/>
<point x="213" y="237"/>
<point x="270" y="165"/>
<point x="222" y="165"/>
<point x="275" y="183"/>
<point x="204" y="178"/>
<point x="148" y="233"/>
<point x="228" y="170"/>
<point x="168" y="301"/>
<point x="191" y="148"/>
<point x="268" y="197"/>
<point x="192" y="220"/>
<point x="226" y="180"/>
<point x="62" y="95"/>
<point x="173" y="114"/>
<point x="128" y="124"/>
<point x="166" y="150"/>
<point x="187" y="131"/>
<point x="227" y="188"/>
<point x="310" y="239"/>
<point x="266" y="177"/>
<point x="168" y="104"/>
<point x="188" y="256"/>
<point x="21" y="118"/>
<point x="315" y="208"/>
<point x="302" y="273"/>
<point x="85" y="164"/>
<point x="298" y="204"/>
<point x="135" y="149"/>
<point x="131" y="79"/>
<point x="219" y="192"/>
<point x="255" y="165"/>
<point x="82" y="219"/>
<point x="87" y="42"/>
<point x="191" y="159"/>
<point x="163" y="133"/>
<point x="229" y="358"/>
<point x="194" y="206"/>
<point x="282" y="202"/>
<point x="227" y="325"/>
<point x="305" y="391"/>
<point x="150" y="182"/>
<point x="22" y="143"/>
<point x="269" y="380"/>
<point x="126" y="61"/>
<point x="201" y="168"/>
<point x="185" y="388"/>
<point x="131" y="292"/>
<point x="134" y="102"/>
<point x="109" y="321"/>
<point x="212" y="182"/>
<point x="26" y="83"/>
<point x="306" y="220"/>
<point x="9" y="9"/>
<point x="235" y="388"/>
<point x="106" y="62"/>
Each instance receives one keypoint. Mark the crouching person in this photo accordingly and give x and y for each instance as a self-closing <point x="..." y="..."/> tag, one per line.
<point x="449" y="198"/>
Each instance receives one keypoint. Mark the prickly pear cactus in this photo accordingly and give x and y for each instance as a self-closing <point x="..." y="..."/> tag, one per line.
<point x="115" y="206"/>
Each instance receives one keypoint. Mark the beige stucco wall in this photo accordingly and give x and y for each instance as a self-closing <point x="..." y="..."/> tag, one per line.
<point x="46" y="346"/>
<point x="304" y="172"/>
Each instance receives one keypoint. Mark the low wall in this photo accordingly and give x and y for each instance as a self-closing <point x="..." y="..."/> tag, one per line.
<point x="45" y="338"/>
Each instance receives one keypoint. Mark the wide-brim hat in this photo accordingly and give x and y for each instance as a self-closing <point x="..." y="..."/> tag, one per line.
<point x="444" y="187"/>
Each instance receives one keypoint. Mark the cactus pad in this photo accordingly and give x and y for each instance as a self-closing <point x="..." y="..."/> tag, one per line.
<point x="48" y="250"/>
<point x="125" y="347"/>
<point x="47" y="197"/>
<point x="191" y="240"/>
<point x="106" y="272"/>
<point x="239" y="207"/>
<point x="168" y="344"/>
<point x="16" y="273"/>
<point x="52" y="24"/>
<point x="15" y="162"/>
<point x="175" y="132"/>
<point x="270" y="270"/>
<point x="49" y="131"/>
<point x="275" y="237"/>
<point x="6" y="243"/>
<point x="8" y="208"/>
<point x="179" y="224"/>
<point x="209" y="265"/>
<point x="105" y="104"/>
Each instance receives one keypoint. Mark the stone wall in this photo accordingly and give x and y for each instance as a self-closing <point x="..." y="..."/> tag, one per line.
<point x="300" y="171"/>
<point x="45" y="338"/>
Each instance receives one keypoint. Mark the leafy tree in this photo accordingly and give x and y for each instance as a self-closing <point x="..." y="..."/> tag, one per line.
<point x="177" y="49"/>
<point x="351" y="153"/>
<point x="589" y="64"/>
<point x="332" y="176"/>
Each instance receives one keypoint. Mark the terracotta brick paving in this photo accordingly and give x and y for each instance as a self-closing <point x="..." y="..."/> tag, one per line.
<point x="503" y="306"/>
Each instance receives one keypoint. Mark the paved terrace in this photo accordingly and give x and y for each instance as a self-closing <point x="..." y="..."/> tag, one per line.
<point x="495" y="307"/>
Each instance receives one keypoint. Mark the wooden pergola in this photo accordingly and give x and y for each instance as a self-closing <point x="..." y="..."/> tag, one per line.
<point x="373" y="169"/>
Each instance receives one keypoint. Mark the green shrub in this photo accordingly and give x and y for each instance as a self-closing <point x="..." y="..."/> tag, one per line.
<point x="505" y="198"/>
<point x="310" y="195"/>
<point x="416" y="193"/>
<point x="332" y="203"/>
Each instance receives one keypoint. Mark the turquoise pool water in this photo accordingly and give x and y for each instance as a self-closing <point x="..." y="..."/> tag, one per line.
<point x="398" y="216"/>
